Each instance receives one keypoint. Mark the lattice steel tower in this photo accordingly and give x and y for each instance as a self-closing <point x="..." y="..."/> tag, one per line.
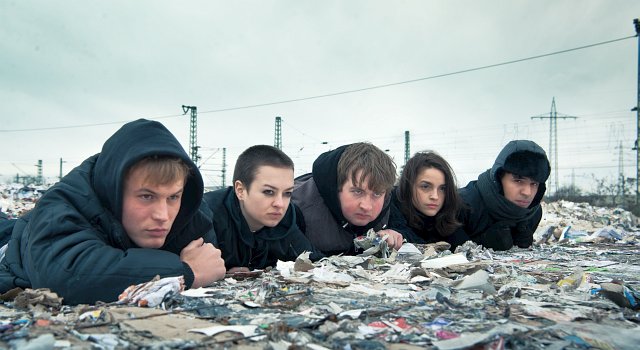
<point x="407" y="147"/>
<point x="39" y="178"/>
<point x="277" y="139"/>
<point x="224" y="167"/>
<point x="553" y="139"/>
<point x="193" y="134"/>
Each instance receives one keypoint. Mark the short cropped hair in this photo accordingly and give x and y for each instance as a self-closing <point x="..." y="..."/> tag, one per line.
<point x="446" y="218"/>
<point x="256" y="156"/>
<point x="162" y="170"/>
<point x="376" y="166"/>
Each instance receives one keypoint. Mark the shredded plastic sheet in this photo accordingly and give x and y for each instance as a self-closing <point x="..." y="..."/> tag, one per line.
<point x="152" y="293"/>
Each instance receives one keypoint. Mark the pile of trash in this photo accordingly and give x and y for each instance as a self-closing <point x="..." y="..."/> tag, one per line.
<point x="564" y="221"/>
<point x="568" y="291"/>
<point x="17" y="199"/>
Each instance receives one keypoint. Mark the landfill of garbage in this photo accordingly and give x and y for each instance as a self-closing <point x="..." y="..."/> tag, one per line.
<point x="578" y="287"/>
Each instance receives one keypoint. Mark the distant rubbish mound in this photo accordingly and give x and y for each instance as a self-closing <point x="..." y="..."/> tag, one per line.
<point x="568" y="221"/>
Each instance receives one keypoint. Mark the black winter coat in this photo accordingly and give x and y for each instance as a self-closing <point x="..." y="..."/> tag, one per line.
<point x="481" y="215"/>
<point x="73" y="241"/>
<point x="426" y="233"/>
<point x="316" y="198"/>
<point x="255" y="250"/>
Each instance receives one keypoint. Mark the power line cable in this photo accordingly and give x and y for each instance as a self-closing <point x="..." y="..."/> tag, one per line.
<point x="350" y="91"/>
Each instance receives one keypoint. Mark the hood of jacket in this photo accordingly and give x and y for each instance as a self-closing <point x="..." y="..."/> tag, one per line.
<point x="514" y="147"/>
<point x="131" y="143"/>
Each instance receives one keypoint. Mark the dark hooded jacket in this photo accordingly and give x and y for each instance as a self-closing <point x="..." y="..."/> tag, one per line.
<point x="255" y="250"/>
<point x="426" y="232"/>
<point x="316" y="196"/>
<point x="73" y="241"/>
<point x="489" y="213"/>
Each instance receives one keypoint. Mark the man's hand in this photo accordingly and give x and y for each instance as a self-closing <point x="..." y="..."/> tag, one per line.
<point x="498" y="236"/>
<point x="205" y="260"/>
<point x="394" y="240"/>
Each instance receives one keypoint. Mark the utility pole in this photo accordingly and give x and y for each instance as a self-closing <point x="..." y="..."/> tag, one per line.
<point x="407" y="146"/>
<point x="224" y="167"/>
<point x="277" y="140"/>
<point x="553" y="139"/>
<point x="193" y="134"/>
<point x="636" y="24"/>
<point x="61" y="161"/>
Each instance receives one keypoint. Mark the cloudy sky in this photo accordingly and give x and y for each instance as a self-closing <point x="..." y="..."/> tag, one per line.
<point x="72" y="72"/>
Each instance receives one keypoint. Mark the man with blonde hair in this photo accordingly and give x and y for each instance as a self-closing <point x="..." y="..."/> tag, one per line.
<point x="346" y="194"/>
<point x="123" y="216"/>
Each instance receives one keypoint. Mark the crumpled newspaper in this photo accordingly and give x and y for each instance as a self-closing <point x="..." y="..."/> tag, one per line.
<point x="32" y="297"/>
<point x="372" y="244"/>
<point x="152" y="293"/>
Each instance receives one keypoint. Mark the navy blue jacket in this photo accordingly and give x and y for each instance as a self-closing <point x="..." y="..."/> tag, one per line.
<point x="73" y="241"/>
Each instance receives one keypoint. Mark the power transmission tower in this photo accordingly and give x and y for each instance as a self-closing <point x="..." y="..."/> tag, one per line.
<point x="407" y="146"/>
<point x="224" y="167"/>
<point x="620" y="173"/>
<point x="193" y="134"/>
<point x="277" y="140"/>
<point x="553" y="138"/>
<point x="39" y="180"/>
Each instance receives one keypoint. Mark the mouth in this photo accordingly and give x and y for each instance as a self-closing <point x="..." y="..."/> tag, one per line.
<point x="523" y="204"/>
<point x="158" y="232"/>
<point x="362" y="216"/>
<point x="274" y="215"/>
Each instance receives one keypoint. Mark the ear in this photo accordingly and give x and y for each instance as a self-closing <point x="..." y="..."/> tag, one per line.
<point x="240" y="190"/>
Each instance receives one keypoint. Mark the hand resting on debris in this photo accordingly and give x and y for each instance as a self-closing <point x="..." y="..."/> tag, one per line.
<point x="205" y="260"/>
<point x="394" y="239"/>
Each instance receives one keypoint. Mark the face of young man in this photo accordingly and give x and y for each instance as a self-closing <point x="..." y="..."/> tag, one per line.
<point x="266" y="201"/>
<point x="519" y="190"/>
<point x="429" y="191"/>
<point x="148" y="211"/>
<point x="360" y="205"/>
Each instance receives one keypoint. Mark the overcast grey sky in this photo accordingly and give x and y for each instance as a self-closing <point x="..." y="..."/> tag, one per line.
<point x="65" y="64"/>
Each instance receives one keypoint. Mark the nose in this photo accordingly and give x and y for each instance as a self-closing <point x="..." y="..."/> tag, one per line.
<point x="433" y="194"/>
<point x="366" y="203"/>
<point x="278" y="202"/>
<point x="526" y="190"/>
<point x="160" y="212"/>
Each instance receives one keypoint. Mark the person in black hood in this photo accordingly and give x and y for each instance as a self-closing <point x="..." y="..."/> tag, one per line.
<point x="504" y="203"/>
<point x="346" y="194"/>
<point x="255" y="221"/>
<point x="425" y="205"/>
<point x="123" y="216"/>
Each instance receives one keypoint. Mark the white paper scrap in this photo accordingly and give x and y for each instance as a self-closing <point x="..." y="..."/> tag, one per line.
<point x="448" y="260"/>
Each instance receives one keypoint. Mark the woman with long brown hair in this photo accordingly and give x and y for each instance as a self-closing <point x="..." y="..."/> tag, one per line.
<point x="425" y="204"/>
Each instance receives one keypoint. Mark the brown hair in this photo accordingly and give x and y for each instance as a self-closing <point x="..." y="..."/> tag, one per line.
<point x="446" y="218"/>
<point x="162" y="170"/>
<point x="376" y="166"/>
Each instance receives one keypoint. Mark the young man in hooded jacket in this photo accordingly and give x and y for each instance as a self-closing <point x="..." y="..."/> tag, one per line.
<point x="346" y="194"/>
<point x="255" y="221"/>
<point x="503" y="205"/>
<point x="123" y="216"/>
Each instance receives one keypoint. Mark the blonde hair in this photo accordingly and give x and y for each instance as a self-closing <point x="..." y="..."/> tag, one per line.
<point x="162" y="170"/>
